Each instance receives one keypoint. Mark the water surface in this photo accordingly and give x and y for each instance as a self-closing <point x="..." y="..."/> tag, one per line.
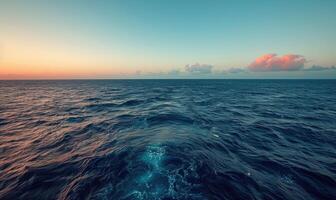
<point x="168" y="139"/>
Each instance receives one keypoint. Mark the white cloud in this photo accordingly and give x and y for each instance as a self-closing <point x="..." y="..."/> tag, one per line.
<point x="198" y="68"/>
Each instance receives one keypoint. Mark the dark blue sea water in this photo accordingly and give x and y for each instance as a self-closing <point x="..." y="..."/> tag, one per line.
<point x="168" y="139"/>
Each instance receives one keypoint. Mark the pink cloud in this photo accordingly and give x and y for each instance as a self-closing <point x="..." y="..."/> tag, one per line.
<point x="272" y="62"/>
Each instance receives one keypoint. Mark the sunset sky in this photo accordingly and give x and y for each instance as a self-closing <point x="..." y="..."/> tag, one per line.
<point x="167" y="39"/>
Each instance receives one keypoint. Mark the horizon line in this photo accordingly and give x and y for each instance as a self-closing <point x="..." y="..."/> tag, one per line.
<point x="93" y="79"/>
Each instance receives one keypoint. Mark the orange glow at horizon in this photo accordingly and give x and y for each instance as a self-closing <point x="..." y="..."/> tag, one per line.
<point x="32" y="58"/>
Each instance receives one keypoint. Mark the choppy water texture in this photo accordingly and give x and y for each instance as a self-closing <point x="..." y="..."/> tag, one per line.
<point x="168" y="139"/>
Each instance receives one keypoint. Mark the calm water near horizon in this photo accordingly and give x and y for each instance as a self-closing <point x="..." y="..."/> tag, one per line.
<point x="168" y="139"/>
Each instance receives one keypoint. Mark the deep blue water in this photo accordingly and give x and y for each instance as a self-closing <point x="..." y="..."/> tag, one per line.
<point x="168" y="139"/>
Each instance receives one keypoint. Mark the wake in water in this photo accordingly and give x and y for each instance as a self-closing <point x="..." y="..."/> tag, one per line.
<point x="168" y="139"/>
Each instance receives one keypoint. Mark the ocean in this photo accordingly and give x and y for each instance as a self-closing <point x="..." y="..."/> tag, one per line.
<point x="168" y="139"/>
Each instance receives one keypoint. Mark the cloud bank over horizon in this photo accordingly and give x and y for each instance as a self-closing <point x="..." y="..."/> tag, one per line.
<point x="266" y="63"/>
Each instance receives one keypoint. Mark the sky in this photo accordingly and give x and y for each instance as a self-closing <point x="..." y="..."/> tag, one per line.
<point x="70" y="39"/>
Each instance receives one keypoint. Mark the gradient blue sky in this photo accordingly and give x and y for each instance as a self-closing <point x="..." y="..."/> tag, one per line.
<point x="108" y="39"/>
